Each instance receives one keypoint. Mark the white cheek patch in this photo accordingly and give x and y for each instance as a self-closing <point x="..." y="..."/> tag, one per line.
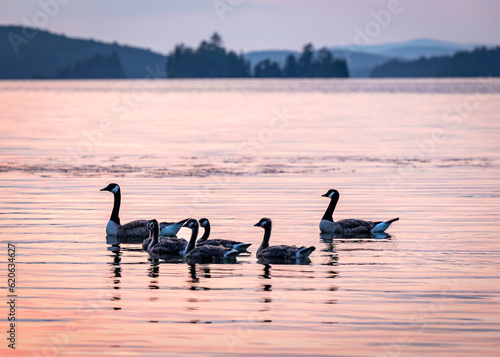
<point x="331" y="195"/>
<point x="115" y="190"/>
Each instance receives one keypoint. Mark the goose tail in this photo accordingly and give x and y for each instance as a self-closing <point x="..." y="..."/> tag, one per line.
<point x="242" y="247"/>
<point x="392" y="220"/>
<point x="231" y="254"/>
<point x="171" y="229"/>
<point x="382" y="226"/>
<point x="305" y="252"/>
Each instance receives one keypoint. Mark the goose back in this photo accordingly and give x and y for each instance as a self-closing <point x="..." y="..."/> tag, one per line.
<point x="169" y="246"/>
<point x="281" y="252"/>
<point x="132" y="232"/>
<point x="210" y="254"/>
<point x="226" y="244"/>
<point x="147" y="241"/>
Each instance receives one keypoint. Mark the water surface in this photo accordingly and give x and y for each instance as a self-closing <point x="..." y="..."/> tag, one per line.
<point x="235" y="151"/>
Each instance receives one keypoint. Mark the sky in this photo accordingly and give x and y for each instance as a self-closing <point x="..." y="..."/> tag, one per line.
<point x="247" y="25"/>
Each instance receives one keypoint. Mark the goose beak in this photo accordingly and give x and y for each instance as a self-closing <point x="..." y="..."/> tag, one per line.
<point x="325" y="195"/>
<point x="256" y="225"/>
<point x="103" y="189"/>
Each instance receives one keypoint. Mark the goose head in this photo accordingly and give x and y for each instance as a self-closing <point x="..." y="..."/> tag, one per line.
<point x="204" y="222"/>
<point x="153" y="227"/>
<point x="112" y="187"/>
<point x="264" y="223"/>
<point x="331" y="194"/>
<point x="191" y="223"/>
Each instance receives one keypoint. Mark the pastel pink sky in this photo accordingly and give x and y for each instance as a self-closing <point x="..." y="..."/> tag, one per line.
<point x="260" y="24"/>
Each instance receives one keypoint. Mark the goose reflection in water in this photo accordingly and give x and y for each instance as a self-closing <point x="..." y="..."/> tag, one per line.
<point x="328" y="237"/>
<point x="116" y="275"/>
<point x="266" y="307"/>
<point x="154" y="273"/>
<point x="192" y="272"/>
<point x="195" y="279"/>
<point x="195" y="303"/>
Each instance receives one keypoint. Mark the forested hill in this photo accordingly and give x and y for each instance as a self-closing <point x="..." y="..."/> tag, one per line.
<point x="29" y="53"/>
<point x="481" y="62"/>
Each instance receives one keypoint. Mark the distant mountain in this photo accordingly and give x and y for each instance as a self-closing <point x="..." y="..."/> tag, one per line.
<point x="46" y="54"/>
<point x="362" y="59"/>
<point x="412" y="49"/>
<point x="360" y="63"/>
<point x="481" y="62"/>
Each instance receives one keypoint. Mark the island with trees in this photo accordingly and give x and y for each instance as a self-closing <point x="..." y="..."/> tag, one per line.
<point x="212" y="60"/>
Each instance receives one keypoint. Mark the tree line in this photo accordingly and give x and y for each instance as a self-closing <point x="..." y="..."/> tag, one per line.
<point x="480" y="62"/>
<point x="98" y="66"/>
<point x="212" y="60"/>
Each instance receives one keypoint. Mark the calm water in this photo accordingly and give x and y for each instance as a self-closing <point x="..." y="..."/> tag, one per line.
<point x="427" y="151"/>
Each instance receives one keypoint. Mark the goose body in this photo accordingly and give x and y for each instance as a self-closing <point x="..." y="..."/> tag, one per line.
<point x="135" y="231"/>
<point x="204" y="241"/>
<point x="170" y="245"/>
<point x="348" y="227"/>
<point x="211" y="254"/>
<point x="206" y="253"/>
<point x="285" y="253"/>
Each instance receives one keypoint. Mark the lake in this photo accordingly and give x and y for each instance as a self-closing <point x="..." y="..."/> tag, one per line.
<point x="234" y="151"/>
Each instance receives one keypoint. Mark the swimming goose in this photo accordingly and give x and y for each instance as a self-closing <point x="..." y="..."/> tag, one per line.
<point x="348" y="227"/>
<point x="171" y="228"/>
<point x="287" y="253"/>
<point x="167" y="246"/>
<point x="136" y="231"/>
<point x="206" y="253"/>
<point x="205" y="223"/>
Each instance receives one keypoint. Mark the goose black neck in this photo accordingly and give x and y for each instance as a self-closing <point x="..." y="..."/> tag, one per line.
<point x="206" y="234"/>
<point x="116" y="208"/>
<point x="267" y="236"/>
<point x="153" y="233"/>
<point x="192" y="242"/>
<point x="328" y="216"/>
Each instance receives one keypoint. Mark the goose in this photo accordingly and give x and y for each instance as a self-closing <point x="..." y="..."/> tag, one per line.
<point x="136" y="231"/>
<point x="348" y="227"/>
<point x="287" y="253"/>
<point x="205" y="223"/>
<point x="206" y="253"/>
<point x="166" y="246"/>
<point x="168" y="232"/>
